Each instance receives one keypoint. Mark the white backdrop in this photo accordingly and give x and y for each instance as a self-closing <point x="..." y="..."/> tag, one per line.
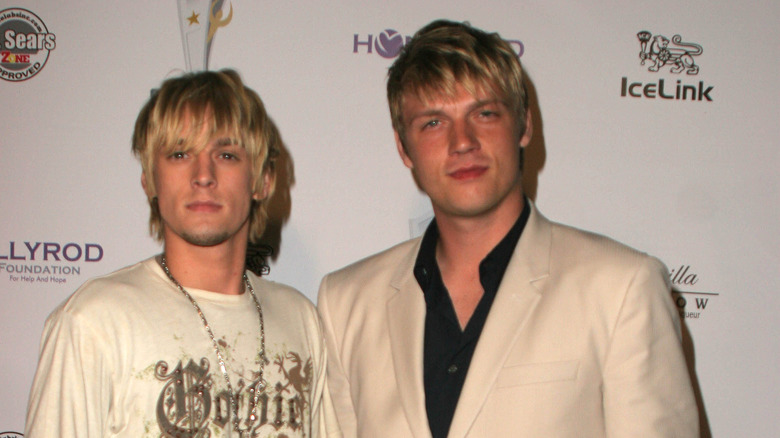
<point x="693" y="181"/>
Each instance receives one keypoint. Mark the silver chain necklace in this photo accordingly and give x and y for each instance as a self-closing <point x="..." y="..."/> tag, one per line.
<point x="261" y="383"/>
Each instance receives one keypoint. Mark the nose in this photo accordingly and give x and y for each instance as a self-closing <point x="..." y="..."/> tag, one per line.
<point x="203" y="173"/>
<point x="463" y="138"/>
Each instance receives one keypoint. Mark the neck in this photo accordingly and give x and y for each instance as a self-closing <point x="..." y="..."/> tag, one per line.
<point x="218" y="268"/>
<point x="465" y="242"/>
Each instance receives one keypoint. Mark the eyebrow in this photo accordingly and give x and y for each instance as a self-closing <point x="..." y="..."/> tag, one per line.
<point x="485" y="102"/>
<point x="438" y="110"/>
<point x="226" y="141"/>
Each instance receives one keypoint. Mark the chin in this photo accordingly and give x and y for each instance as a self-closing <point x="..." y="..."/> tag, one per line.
<point x="205" y="239"/>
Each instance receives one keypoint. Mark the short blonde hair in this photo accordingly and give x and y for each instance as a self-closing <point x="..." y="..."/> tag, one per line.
<point x="219" y="100"/>
<point x="445" y="54"/>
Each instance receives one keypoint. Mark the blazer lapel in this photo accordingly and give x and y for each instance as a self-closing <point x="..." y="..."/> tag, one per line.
<point x="515" y="301"/>
<point x="406" y="321"/>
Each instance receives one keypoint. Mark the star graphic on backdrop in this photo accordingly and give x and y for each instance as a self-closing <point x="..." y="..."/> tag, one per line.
<point x="193" y="18"/>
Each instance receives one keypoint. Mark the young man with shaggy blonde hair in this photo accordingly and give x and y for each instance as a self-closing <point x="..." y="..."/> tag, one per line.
<point x="189" y="343"/>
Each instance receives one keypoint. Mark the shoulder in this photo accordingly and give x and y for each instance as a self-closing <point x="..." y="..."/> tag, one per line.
<point x="584" y="260"/>
<point x="284" y="301"/>
<point x="279" y="293"/>
<point x="369" y="282"/>
<point x="384" y="264"/>
<point x="562" y="250"/>
<point x="604" y="269"/>
<point x="121" y="287"/>
<point x="290" y="317"/>
<point x="573" y="245"/>
<point x="103" y="307"/>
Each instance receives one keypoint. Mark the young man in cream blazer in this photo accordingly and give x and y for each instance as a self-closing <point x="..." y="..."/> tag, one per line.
<point x="497" y="322"/>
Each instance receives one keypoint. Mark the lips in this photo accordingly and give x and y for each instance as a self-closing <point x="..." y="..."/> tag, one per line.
<point x="470" y="172"/>
<point x="204" y="206"/>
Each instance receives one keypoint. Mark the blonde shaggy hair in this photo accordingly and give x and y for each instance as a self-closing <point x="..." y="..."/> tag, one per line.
<point x="445" y="54"/>
<point x="220" y="101"/>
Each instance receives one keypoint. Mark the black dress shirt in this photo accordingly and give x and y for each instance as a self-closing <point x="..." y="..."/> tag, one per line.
<point x="448" y="349"/>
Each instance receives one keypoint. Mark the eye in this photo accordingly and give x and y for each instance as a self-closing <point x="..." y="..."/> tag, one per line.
<point x="228" y="156"/>
<point x="178" y="155"/>
<point x="431" y="124"/>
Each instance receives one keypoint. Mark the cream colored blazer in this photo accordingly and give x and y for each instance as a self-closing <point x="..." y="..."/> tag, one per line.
<point x="583" y="340"/>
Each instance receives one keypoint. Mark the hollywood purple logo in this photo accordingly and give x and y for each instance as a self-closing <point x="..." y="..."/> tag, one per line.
<point x="389" y="42"/>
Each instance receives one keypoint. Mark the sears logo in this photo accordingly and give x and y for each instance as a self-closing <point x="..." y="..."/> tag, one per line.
<point x="389" y="42"/>
<point x="657" y="55"/>
<point x="25" y="44"/>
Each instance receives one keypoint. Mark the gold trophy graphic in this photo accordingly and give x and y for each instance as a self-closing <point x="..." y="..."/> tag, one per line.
<point x="199" y="21"/>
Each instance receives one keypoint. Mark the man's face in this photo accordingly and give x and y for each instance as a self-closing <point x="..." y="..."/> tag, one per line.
<point x="204" y="197"/>
<point x="464" y="152"/>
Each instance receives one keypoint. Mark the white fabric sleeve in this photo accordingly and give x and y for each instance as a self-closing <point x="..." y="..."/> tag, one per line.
<point x="71" y="389"/>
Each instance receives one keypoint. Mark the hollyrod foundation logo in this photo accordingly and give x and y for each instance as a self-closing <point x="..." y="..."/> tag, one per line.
<point x="389" y="42"/>
<point x="657" y="56"/>
<point x="25" y="44"/>
<point x="46" y="262"/>
<point x="11" y="435"/>
<point x="691" y="304"/>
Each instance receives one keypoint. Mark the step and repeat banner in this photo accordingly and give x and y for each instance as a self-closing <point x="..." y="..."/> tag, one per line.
<point x="656" y="123"/>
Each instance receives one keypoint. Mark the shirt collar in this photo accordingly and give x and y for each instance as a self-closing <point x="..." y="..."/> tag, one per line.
<point x="491" y="268"/>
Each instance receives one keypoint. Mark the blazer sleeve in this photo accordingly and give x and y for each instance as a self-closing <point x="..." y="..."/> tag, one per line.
<point x="647" y="387"/>
<point x="337" y="380"/>
<point x="323" y="418"/>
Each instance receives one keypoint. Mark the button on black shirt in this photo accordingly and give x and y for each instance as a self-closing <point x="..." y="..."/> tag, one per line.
<point x="448" y="349"/>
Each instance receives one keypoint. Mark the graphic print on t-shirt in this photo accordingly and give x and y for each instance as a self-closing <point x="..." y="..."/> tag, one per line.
<point x="194" y="400"/>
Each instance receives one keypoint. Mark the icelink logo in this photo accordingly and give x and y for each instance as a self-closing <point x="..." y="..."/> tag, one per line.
<point x="690" y="303"/>
<point x="389" y="42"/>
<point x="25" y="44"/>
<point x="46" y="262"/>
<point x="658" y="56"/>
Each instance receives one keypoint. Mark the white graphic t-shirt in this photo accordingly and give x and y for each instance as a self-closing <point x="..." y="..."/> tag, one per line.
<point x="128" y="356"/>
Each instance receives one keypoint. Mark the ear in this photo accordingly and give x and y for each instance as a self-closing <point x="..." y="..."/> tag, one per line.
<point x="529" y="129"/>
<point x="402" y="151"/>
<point x="266" y="188"/>
<point x="145" y="185"/>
